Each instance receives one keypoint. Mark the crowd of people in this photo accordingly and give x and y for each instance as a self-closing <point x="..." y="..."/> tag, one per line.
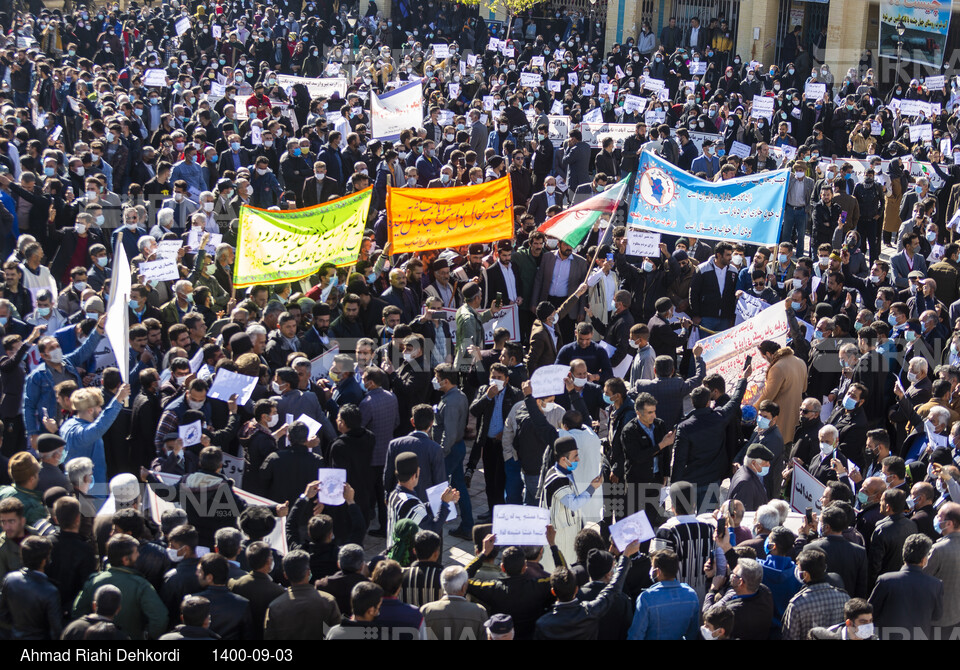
<point x="150" y="127"/>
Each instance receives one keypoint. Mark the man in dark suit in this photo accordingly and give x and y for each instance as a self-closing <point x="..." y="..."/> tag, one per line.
<point x="295" y="169"/>
<point x="503" y="277"/>
<point x="700" y="451"/>
<point x="411" y="381"/>
<point x="887" y="543"/>
<point x="445" y="180"/>
<point x="586" y="191"/>
<point x="665" y="336"/>
<point x="746" y="485"/>
<point x="695" y="36"/>
<point x="491" y="407"/>
<point x="670" y="390"/>
<point x="907" y="602"/>
<point x="924" y="495"/>
<point x="713" y="306"/>
<point x="576" y="160"/>
<point x="234" y="158"/>
<point x="429" y="453"/>
<point x="589" y="392"/>
<point x="845" y="558"/>
<point x="543" y="200"/>
<point x="401" y="297"/>
<point x="561" y="272"/>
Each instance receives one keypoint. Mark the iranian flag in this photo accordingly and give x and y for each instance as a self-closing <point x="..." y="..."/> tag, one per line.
<point x="573" y="224"/>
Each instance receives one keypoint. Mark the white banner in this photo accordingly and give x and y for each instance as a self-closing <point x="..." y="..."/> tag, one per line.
<point x="396" y="111"/>
<point x="725" y="352"/>
<point x="549" y="380"/>
<point x="508" y="317"/>
<point x="594" y="133"/>
<point x="644" y="243"/>
<point x="117" y="327"/>
<point x="520" y="525"/>
<point x="316" y="86"/>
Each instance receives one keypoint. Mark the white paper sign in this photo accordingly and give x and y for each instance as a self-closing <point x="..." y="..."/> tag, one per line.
<point x="643" y="243"/>
<point x="762" y="106"/>
<point x="595" y="115"/>
<point x="330" y="491"/>
<point x="554" y="85"/>
<point x="164" y="269"/>
<point x="233" y="469"/>
<point x="216" y="31"/>
<point x="588" y="89"/>
<point x="921" y="132"/>
<point x="190" y="434"/>
<point x="183" y="25"/>
<point x="441" y="51"/>
<point x="548" y="380"/>
<point x="739" y="149"/>
<point x="320" y="366"/>
<point x="194" y="237"/>
<point x="934" y="83"/>
<point x="197" y="361"/>
<point x="698" y="68"/>
<point x="634" y="527"/>
<point x="572" y="78"/>
<point x="155" y="77"/>
<point x="488" y="103"/>
<point x="520" y="525"/>
<point x="453" y="89"/>
<point x="634" y="103"/>
<point x="530" y="79"/>
<point x="227" y="383"/>
<point x="814" y="91"/>
<point x="433" y="497"/>
<point x="748" y="306"/>
<point x="806" y="490"/>
<point x="537" y="61"/>
<point x="654" y="84"/>
<point x="556" y="108"/>
<point x="169" y="248"/>
<point x="313" y="426"/>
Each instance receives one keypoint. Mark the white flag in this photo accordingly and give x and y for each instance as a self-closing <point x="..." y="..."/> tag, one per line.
<point x="118" y="315"/>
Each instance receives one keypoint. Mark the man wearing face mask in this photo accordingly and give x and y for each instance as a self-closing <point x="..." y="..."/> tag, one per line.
<point x="39" y="398"/>
<point x="52" y="450"/>
<point x="942" y="561"/>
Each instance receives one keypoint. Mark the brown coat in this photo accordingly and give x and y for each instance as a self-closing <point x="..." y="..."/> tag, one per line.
<point x="891" y="210"/>
<point x="302" y="613"/>
<point x="543" y="350"/>
<point x="785" y="384"/>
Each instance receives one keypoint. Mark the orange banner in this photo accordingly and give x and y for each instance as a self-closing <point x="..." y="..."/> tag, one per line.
<point x="437" y="218"/>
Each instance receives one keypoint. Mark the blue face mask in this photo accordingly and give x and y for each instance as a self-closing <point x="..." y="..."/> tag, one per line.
<point x="892" y="320"/>
<point x="910" y="336"/>
<point x="573" y="466"/>
<point x="372" y="277"/>
<point x="818" y="334"/>
<point x="936" y="525"/>
<point x="235" y="146"/>
<point x="763" y="422"/>
<point x="849" y="404"/>
<point x="297" y="151"/>
<point x="607" y="399"/>
<point x="764" y="470"/>
<point x="134" y="305"/>
<point x="862" y="497"/>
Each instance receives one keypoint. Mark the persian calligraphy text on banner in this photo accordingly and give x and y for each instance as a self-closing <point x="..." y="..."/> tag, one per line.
<point x="395" y="111"/>
<point x="668" y="200"/>
<point x="282" y="246"/>
<point x="926" y="22"/>
<point x="725" y="353"/>
<point x="437" y="218"/>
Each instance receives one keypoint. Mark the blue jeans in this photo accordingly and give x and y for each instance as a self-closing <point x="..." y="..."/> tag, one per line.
<point x="514" y="482"/>
<point x="530" y="483"/>
<point x="794" y="228"/>
<point x="454" y="465"/>
<point x="714" y="323"/>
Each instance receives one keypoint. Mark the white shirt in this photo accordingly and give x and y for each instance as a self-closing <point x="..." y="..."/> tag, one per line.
<point x="510" y="280"/>
<point x="720" y="272"/>
<point x="609" y="285"/>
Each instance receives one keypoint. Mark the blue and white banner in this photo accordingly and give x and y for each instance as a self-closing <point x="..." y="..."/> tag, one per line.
<point x="393" y="112"/>
<point x="670" y="201"/>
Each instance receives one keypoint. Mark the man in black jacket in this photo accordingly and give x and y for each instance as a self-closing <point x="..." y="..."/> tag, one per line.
<point x="845" y="558"/>
<point x="642" y="456"/>
<point x="72" y="558"/>
<point x="182" y="580"/>
<point x="616" y="622"/>
<point x="749" y="599"/>
<point x="712" y="304"/>
<point x="29" y="601"/>
<point x="491" y="407"/>
<point x="230" y="615"/>
<point x="579" y="619"/>
<point x="886" y="544"/>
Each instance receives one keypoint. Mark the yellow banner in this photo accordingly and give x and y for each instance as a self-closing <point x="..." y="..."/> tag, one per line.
<point x="436" y="218"/>
<point x="282" y="246"/>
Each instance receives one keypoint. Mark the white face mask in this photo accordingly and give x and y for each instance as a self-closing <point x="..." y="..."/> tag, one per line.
<point x="865" y="631"/>
<point x="174" y="555"/>
<point x="579" y="383"/>
<point x="707" y="633"/>
<point x="498" y="383"/>
<point x="272" y="421"/>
